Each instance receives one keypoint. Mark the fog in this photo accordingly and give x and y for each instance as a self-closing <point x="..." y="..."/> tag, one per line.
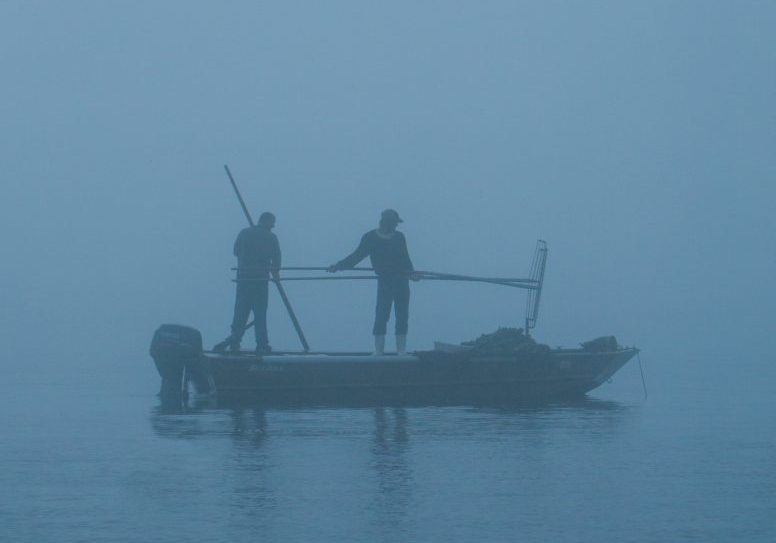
<point x="636" y="138"/>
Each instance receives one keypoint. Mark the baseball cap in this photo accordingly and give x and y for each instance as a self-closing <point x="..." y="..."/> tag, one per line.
<point x="391" y="215"/>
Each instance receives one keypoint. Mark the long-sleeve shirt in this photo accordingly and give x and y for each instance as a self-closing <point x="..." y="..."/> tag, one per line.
<point x="257" y="250"/>
<point x="389" y="255"/>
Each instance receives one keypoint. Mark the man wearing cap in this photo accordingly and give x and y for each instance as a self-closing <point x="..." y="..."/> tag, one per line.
<point x="387" y="249"/>
<point x="258" y="253"/>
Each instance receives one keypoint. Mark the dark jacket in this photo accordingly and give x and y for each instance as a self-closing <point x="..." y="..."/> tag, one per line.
<point x="389" y="256"/>
<point x="257" y="250"/>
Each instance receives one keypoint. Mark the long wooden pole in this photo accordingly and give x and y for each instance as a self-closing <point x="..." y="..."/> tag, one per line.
<point x="425" y="275"/>
<point x="239" y="196"/>
<point x="281" y="290"/>
<point x="430" y="278"/>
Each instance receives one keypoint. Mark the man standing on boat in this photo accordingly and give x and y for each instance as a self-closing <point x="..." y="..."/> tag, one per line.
<point x="258" y="254"/>
<point x="387" y="249"/>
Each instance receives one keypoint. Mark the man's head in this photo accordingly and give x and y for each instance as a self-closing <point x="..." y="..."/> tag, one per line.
<point x="389" y="219"/>
<point x="267" y="220"/>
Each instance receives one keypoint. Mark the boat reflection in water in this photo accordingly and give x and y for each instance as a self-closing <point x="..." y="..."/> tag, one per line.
<point x="288" y="471"/>
<point x="247" y="423"/>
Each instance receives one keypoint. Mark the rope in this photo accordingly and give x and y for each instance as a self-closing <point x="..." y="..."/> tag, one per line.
<point x="641" y="369"/>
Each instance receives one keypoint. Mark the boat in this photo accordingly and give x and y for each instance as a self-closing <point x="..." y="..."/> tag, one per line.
<point x="433" y="377"/>
<point x="484" y="372"/>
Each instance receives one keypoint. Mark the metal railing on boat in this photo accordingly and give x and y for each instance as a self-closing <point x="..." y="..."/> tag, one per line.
<point x="533" y="284"/>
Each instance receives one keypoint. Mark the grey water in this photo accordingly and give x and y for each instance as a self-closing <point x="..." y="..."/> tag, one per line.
<point x="99" y="459"/>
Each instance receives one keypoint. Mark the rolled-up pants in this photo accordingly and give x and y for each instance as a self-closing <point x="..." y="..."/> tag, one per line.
<point x="251" y="296"/>
<point x="392" y="291"/>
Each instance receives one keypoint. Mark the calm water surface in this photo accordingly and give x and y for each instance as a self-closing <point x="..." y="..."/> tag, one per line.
<point x="98" y="459"/>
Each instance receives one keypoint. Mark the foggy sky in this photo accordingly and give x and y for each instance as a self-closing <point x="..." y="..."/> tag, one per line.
<point x="635" y="137"/>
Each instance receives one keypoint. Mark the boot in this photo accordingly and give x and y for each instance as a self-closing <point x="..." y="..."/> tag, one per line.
<point x="379" y="345"/>
<point x="221" y="347"/>
<point x="401" y="344"/>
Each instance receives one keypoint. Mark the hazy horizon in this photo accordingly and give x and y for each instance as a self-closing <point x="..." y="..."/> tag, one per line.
<point x="635" y="138"/>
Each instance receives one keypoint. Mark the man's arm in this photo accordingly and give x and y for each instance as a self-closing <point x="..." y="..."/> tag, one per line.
<point x="361" y="252"/>
<point x="238" y="243"/>
<point x="406" y="256"/>
<point x="276" y="258"/>
<point x="414" y="276"/>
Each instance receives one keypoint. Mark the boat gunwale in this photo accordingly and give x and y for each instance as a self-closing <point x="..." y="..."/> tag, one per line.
<point x="395" y="357"/>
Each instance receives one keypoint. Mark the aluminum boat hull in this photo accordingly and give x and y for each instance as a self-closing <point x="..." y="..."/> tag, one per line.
<point x="430" y="377"/>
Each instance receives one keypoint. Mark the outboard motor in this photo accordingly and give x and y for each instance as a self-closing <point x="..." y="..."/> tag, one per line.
<point x="177" y="353"/>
